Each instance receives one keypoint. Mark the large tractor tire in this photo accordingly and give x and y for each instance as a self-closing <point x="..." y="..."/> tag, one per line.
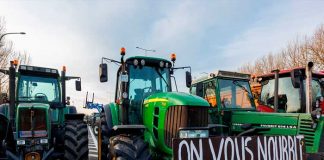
<point x="104" y="140"/>
<point x="129" y="147"/>
<point x="76" y="140"/>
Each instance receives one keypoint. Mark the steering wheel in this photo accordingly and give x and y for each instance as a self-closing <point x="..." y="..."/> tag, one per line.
<point x="149" y="89"/>
<point x="41" y="95"/>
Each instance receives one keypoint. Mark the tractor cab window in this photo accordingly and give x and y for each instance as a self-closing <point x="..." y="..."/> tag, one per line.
<point x="316" y="91"/>
<point x="143" y="82"/>
<point x="288" y="96"/>
<point x="38" y="89"/>
<point x="235" y="93"/>
<point x="210" y="93"/>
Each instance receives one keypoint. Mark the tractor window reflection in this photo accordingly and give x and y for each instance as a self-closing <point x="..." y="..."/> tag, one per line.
<point x="210" y="93"/>
<point x="144" y="82"/>
<point x="235" y="93"/>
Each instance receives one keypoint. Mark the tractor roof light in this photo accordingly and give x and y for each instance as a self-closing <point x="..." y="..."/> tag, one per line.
<point x="30" y="68"/>
<point x="122" y="51"/>
<point x="161" y="64"/>
<point x="135" y="62"/>
<point x="23" y="67"/>
<point x="167" y="65"/>
<point x="142" y="62"/>
<point x="173" y="57"/>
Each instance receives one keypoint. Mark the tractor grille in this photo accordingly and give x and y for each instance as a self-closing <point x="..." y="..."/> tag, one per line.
<point x="307" y="130"/>
<point x="183" y="116"/>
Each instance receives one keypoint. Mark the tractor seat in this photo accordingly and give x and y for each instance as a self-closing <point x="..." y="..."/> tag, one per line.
<point x="138" y="94"/>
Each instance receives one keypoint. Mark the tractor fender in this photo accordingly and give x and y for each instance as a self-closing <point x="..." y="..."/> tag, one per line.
<point x="74" y="117"/>
<point x="6" y="134"/>
<point x="109" y="121"/>
<point x="4" y="126"/>
<point x="72" y="109"/>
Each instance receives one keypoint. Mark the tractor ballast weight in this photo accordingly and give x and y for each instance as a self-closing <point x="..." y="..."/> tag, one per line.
<point x="145" y="111"/>
<point x="40" y="125"/>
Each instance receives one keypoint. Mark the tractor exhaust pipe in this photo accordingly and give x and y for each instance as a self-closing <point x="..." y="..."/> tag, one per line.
<point x="12" y="89"/>
<point x="63" y="87"/>
<point x="276" y="89"/>
<point x="309" y="78"/>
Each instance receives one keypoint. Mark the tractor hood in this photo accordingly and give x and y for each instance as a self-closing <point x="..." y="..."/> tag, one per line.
<point x="278" y="123"/>
<point x="176" y="99"/>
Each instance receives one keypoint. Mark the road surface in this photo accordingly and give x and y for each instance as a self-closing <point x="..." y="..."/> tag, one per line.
<point x="93" y="148"/>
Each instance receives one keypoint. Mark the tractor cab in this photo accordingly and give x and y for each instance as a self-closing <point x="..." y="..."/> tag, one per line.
<point x="37" y="114"/>
<point x="146" y="76"/>
<point x="225" y="90"/>
<point x="37" y="91"/>
<point x="291" y="91"/>
<point x="146" y="111"/>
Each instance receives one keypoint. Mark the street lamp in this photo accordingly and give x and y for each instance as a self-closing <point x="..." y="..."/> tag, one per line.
<point x="9" y="33"/>
<point x="1" y="46"/>
<point x="146" y="50"/>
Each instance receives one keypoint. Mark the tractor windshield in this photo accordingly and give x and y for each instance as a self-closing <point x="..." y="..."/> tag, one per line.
<point x="38" y="89"/>
<point x="289" y="97"/>
<point x="235" y="93"/>
<point x="145" y="81"/>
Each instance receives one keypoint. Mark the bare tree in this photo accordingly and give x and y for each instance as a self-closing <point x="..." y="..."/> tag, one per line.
<point x="296" y="54"/>
<point x="316" y="47"/>
<point x="7" y="53"/>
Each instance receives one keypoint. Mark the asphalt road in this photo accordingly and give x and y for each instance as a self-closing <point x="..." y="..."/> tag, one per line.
<point x="93" y="148"/>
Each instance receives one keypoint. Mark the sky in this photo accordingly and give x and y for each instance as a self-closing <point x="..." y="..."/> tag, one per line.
<point x="206" y="35"/>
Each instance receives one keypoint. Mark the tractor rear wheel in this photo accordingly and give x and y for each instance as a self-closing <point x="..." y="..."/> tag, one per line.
<point x="76" y="140"/>
<point x="129" y="147"/>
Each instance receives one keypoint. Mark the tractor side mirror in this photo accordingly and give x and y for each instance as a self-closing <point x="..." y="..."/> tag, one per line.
<point x="295" y="77"/>
<point x="103" y="72"/>
<point x="78" y="85"/>
<point x="188" y="79"/>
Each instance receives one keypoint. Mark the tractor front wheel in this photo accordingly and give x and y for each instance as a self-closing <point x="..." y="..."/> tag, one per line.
<point x="129" y="147"/>
<point x="104" y="139"/>
<point x="76" y="140"/>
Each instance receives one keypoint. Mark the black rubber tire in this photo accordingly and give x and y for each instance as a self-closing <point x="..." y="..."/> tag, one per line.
<point x="76" y="140"/>
<point x="105" y="155"/>
<point x="129" y="147"/>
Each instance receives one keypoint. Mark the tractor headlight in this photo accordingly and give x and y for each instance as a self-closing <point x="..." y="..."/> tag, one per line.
<point x="193" y="133"/>
<point x="316" y="114"/>
<point x="21" y="142"/>
<point x="161" y="64"/>
<point x="44" y="141"/>
<point x="314" y="125"/>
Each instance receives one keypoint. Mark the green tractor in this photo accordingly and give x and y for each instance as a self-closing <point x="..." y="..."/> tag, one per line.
<point x="37" y="123"/>
<point x="146" y="115"/>
<point x="230" y="96"/>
